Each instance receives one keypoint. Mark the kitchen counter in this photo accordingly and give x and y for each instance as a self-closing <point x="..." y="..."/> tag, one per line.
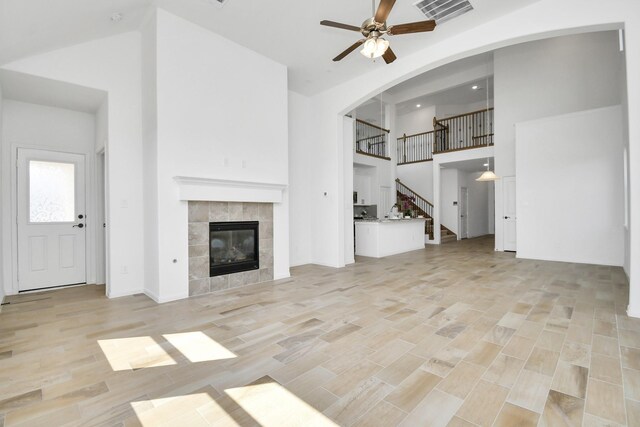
<point x="379" y="238"/>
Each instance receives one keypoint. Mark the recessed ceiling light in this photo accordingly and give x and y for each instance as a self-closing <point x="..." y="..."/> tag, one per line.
<point x="418" y="105"/>
<point x="116" y="17"/>
<point x="475" y="87"/>
<point x="486" y="164"/>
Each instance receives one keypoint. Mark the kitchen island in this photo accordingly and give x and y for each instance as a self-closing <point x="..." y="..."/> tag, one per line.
<point x="380" y="238"/>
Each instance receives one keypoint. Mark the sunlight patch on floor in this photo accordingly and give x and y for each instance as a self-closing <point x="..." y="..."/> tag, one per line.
<point x="135" y="353"/>
<point x="198" y="347"/>
<point x="189" y="410"/>
<point x="145" y="352"/>
<point x="272" y="405"/>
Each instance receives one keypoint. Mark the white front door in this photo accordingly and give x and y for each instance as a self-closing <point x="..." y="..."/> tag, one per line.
<point x="509" y="198"/>
<point x="464" y="212"/>
<point x="51" y="219"/>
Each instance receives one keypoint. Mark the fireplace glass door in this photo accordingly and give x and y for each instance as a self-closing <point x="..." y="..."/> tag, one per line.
<point x="233" y="247"/>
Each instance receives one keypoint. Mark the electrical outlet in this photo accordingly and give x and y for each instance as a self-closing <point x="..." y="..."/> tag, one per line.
<point x="124" y="269"/>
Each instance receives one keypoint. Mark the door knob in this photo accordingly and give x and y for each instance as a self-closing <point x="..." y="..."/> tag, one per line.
<point x="79" y="225"/>
<point x="506" y="217"/>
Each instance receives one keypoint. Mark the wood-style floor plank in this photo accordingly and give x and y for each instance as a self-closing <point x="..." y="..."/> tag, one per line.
<point x="456" y="335"/>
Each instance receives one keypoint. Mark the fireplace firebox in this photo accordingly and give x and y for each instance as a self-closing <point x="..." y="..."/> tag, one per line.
<point x="233" y="247"/>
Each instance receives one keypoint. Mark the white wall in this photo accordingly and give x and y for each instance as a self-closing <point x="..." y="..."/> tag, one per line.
<point x="222" y="113"/>
<point x="48" y="128"/>
<point x="546" y="78"/>
<point x="3" y="279"/>
<point x="102" y="126"/>
<point x="418" y="121"/>
<point x="491" y="209"/>
<point x="449" y="193"/>
<point x="113" y="65"/>
<point x="626" y="167"/>
<point x="149" y="87"/>
<point x="444" y="111"/>
<point x="300" y="176"/>
<point x="570" y="188"/>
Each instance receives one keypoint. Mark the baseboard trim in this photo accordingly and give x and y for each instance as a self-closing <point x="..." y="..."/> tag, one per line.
<point x="633" y="312"/>
<point x="282" y="276"/>
<point x="111" y="295"/>
<point x="170" y="298"/>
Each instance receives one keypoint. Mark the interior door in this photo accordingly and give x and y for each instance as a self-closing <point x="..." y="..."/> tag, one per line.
<point x="464" y="212"/>
<point x="51" y="219"/>
<point x="509" y="223"/>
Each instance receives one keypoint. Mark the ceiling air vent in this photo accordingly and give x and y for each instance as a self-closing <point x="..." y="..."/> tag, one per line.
<point x="443" y="10"/>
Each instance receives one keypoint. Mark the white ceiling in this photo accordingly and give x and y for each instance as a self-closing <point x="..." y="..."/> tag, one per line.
<point x="459" y="95"/>
<point x="474" y="165"/>
<point x="52" y="93"/>
<point x="372" y="111"/>
<point x="286" y="31"/>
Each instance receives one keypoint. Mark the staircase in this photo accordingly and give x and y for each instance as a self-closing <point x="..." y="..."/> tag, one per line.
<point x="447" y="235"/>
<point x="423" y="207"/>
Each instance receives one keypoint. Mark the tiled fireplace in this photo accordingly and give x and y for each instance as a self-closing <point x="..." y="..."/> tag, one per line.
<point x="201" y="215"/>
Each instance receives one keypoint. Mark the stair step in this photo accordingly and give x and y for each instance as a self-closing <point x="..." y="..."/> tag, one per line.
<point x="448" y="238"/>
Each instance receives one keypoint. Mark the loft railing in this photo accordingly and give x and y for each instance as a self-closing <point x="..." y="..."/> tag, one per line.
<point x="415" y="148"/>
<point x="371" y="140"/>
<point x="418" y="203"/>
<point x="465" y="131"/>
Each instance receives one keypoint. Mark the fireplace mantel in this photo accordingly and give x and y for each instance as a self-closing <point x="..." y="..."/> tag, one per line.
<point x="224" y="190"/>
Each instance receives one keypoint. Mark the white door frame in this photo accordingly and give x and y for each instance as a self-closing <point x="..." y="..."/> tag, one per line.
<point x="504" y="213"/>
<point x="90" y="187"/>
<point x="464" y="219"/>
<point x="101" y="217"/>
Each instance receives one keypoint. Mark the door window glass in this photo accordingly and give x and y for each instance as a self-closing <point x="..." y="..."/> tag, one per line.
<point x="51" y="192"/>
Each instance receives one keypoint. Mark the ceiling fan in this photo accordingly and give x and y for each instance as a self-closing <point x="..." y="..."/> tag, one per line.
<point x="374" y="28"/>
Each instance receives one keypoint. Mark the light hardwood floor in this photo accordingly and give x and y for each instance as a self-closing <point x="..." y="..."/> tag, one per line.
<point x="454" y="335"/>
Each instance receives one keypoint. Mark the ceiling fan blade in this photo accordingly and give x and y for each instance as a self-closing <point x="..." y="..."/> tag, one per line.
<point x="339" y="25"/>
<point x="348" y="50"/>
<point x="414" y="27"/>
<point x="389" y="56"/>
<point x="383" y="10"/>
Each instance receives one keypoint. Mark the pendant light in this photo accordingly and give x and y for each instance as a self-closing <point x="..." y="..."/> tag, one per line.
<point x="487" y="175"/>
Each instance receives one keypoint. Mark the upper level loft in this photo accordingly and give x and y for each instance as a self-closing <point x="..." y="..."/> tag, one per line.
<point x="460" y="132"/>
<point x="441" y="111"/>
<point x="454" y="133"/>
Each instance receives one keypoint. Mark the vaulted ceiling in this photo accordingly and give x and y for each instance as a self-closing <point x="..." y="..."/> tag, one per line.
<point x="286" y="31"/>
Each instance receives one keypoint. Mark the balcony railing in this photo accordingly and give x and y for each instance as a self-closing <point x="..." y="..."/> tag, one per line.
<point x="415" y="148"/>
<point x="465" y="131"/>
<point x="462" y="132"/>
<point x="371" y="140"/>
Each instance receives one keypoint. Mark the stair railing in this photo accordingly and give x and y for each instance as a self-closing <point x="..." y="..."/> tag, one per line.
<point x="418" y="203"/>
<point x="371" y="140"/>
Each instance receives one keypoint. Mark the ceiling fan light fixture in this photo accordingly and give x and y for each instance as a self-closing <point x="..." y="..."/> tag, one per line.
<point x="374" y="47"/>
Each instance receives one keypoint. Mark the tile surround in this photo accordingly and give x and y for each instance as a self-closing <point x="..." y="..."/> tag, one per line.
<point x="200" y="214"/>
